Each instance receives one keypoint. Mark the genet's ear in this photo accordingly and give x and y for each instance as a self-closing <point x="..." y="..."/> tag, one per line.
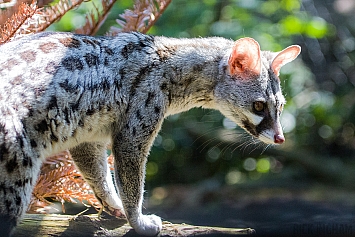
<point x="285" y="56"/>
<point x="244" y="60"/>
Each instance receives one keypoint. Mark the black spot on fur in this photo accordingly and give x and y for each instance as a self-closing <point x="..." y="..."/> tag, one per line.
<point x="157" y="109"/>
<point x="27" y="161"/>
<point x="8" y="206"/>
<point x="106" y="61"/>
<point x="127" y="50"/>
<point x="11" y="165"/>
<point x="72" y="63"/>
<point x="20" y="183"/>
<point x="66" y="115"/>
<point x="19" y="140"/>
<point x="106" y="84"/>
<point x="90" y="112"/>
<point x="149" y="98"/>
<point x="52" y="103"/>
<point x="33" y="143"/>
<point x="139" y="116"/>
<point x="17" y="200"/>
<point x="109" y="51"/>
<point x="89" y="42"/>
<point x="164" y="86"/>
<point x="51" y="68"/>
<point x="134" y="131"/>
<point x="81" y="123"/>
<point x="42" y="126"/>
<point x="197" y="68"/>
<point x="91" y="59"/>
<point x="4" y="153"/>
<point x="68" y="87"/>
<point x="54" y="138"/>
<point x="70" y="42"/>
<point x="138" y="79"/>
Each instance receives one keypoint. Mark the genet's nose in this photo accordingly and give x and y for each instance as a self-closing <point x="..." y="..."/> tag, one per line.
<point x="279" y="139"/>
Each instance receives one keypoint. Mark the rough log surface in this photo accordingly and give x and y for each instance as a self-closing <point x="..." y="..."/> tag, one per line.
<point x="38" y="225"/>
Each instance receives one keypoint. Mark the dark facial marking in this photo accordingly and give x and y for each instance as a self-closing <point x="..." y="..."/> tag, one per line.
<point x="72" y="63"/>
<point x="70" y="42"/>
<point x="265" y="124"/>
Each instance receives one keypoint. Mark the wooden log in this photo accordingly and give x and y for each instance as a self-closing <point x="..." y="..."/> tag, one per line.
<point x="39" y="225"/>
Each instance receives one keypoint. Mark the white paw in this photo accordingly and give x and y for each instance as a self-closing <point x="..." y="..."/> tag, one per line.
<point x="114" y="202"/>
<point x="149" y="225"/>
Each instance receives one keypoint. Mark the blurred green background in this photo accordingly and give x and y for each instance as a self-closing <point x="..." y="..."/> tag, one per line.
<point x="318" y="119"/>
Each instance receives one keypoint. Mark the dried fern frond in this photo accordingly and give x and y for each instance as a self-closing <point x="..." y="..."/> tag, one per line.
<point x="143" y="16"/>
<point x="95" y="19"/>
<point x="60" y="181"/>
<point x="13" y="24"/>
<point x="46" y="16"/>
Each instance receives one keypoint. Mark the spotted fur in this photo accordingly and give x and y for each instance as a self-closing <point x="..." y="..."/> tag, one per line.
<point x="63" y="91"/>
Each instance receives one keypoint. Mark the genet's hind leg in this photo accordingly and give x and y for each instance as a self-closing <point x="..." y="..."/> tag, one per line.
<point x="90" y="158"/>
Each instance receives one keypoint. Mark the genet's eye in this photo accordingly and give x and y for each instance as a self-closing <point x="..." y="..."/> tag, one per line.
<point x="259" y="106"/>
<point x="281" y="109"/>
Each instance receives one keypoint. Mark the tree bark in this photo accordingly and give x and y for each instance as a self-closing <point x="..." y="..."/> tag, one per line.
<point x="39" y="225"/>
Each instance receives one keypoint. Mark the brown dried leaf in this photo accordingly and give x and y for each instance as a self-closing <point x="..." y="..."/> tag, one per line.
<point x="46" y="16"/>
<point x="143" y="16"/>
<point x="60" y="181"/>
<point x="95" y="19"/>
<point x="12" y="25"/>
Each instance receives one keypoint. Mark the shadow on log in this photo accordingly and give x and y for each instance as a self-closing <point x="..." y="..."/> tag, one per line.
<point x="39" y="225"/>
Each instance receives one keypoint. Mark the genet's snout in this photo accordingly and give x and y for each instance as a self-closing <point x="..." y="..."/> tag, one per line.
<point x="279" y="139"/>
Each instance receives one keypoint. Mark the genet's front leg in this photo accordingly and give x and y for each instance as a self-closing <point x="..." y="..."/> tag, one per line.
<point x="131" y="147"/>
